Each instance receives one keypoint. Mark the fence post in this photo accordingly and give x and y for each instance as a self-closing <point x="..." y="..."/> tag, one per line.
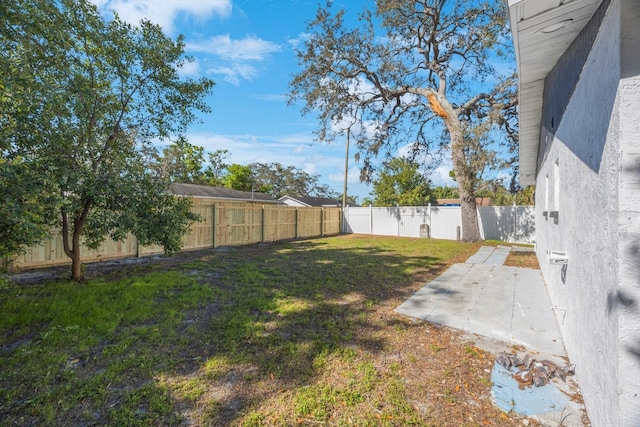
<point x="264" y="223"/>
<point x="480" y="223"/>
<point x="345" y="214"/>
<point x="429" y="213"/>
<point x="137" y="247"/>
<point x="214" y="220"/>
<point x="321" y="222"/>
<point x="370" y="219"/>
<point x="6" y="263"/>
<point x="297" y="222"/>
<point x="515" y="223"/>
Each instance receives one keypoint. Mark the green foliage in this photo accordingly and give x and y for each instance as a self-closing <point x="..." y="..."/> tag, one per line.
<point x="277" y="180"/>
<point x="93" y="94"/>
<point x="238" y="177"/>
<point x="181" y="162"/>
<point x="215" y="168"/>
<point x="367" y="201"/>
<point x="479" y="156"/>
<point x="500" y="196"/>
<point x="401" y="184"/>
<point x="445" y="193"/>
<point x="27" y="205"/>
<point x="350" y="199"/>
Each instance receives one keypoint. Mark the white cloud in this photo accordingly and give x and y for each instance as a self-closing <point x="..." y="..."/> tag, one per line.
<point x="234" y="58"/>
<point x="440" y="175"/>
<point x="164" y="12"/>
<point x="296" y="42"/>
<point x="279" y="97"/>
<point x="353" y="176"/>
<point x="233" y="73"/>
<point x="310" y="168"/>
<point x="189" y="69"/>
<point x="247" y="148"/>
<point x="250" y="48"/>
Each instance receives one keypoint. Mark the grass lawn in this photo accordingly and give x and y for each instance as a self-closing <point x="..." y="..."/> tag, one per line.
<point x="296" y="333"/>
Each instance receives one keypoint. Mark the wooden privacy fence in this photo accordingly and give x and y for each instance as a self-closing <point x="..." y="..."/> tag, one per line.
<point x="221" y="224"/>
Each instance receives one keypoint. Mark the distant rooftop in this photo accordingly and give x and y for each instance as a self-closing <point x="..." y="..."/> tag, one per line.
<point x="220" y="193"/>
<point x="315" y="201"/>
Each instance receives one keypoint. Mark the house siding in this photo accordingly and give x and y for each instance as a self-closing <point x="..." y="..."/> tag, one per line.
<point x="562" y="81"/>
<point x="577" y="209"/>
<point x="626" y="302"/>
<point x="587" y="204"/>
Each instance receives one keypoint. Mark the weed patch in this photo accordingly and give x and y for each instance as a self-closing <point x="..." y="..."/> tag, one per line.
<point x="290" y="333"/>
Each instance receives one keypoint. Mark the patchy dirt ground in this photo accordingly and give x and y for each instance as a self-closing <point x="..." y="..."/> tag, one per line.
<point x="522" y="258"/>
<point x="424" y="374"/>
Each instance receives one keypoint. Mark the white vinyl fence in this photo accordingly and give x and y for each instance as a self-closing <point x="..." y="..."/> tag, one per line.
<point x="513" y="224"/>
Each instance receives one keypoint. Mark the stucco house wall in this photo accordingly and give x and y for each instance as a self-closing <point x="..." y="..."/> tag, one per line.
<point x="587" y="204"/>
<point x="626" y="302"/>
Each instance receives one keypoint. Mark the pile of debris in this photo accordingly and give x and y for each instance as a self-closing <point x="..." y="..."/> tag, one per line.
<point x="530" y="371"/>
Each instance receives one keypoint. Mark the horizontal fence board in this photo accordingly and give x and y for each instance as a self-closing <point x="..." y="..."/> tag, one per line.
<point x="228" y="223"/>
<point x="280" y="224"/>
<point x="247" y="223"/>
<point x="332" y="221"/>
<point x="309" y="222"/>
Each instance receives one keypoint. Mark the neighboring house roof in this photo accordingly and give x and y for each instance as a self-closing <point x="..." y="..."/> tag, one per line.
<point x="313" y="201"/>
<point x="542" y="31"/>
<point x="220" y="193"/>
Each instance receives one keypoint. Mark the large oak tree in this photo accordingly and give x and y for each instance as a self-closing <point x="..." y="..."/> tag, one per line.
<point x="83" y="98"/>
<point x="409" y="73"/>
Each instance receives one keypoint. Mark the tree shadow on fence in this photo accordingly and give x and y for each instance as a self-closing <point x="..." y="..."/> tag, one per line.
<point x="513" y="224"/>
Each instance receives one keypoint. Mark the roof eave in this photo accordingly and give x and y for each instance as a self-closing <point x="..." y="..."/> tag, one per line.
<point x="529" y="19"/>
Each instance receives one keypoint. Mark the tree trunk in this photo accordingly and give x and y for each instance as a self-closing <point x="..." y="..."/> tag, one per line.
<point x="76" y="264"/>
<point x="73" y="250"/>
<point x="470" y="226"/>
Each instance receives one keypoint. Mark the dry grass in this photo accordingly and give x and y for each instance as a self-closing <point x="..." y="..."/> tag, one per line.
<point x="298" y="333"/>
<point x="522" y="259"/>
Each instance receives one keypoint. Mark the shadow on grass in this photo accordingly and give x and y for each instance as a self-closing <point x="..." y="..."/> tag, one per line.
<point x="274" y="316"/>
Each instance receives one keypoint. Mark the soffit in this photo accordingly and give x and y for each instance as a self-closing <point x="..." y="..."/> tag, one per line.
<point x="537" y="51"/>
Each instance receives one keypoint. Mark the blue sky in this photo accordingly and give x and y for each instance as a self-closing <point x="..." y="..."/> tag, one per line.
<point x="247" y="48"/>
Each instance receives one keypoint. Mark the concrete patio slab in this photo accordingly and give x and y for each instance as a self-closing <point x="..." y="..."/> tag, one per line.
<point x="484" y="297"/>
<point x="503" y="306"/>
